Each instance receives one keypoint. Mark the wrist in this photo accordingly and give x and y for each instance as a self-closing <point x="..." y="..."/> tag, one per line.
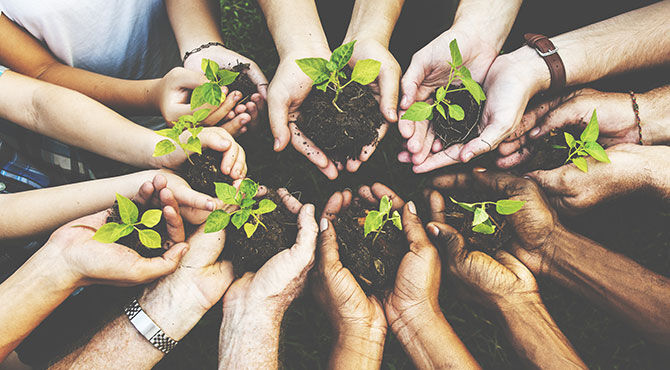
<point x="412" y="323"/>
<point x="362" y="350"/>
<point x="304" y="49"/>
<point x="249" y="337"/>
<point x="519" y="305"/>
<point x="51" y="269"/>
<point x="654" y="119"/>
<point x="531" y="68"/>
<point x="497" y="19"/>
<point x="659" y="157"/>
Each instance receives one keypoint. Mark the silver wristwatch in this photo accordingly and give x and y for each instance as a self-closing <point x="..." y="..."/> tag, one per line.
<point x="148" y="327"/>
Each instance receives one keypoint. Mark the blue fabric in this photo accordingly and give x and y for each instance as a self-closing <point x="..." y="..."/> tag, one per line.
<point x="20" y="170"/>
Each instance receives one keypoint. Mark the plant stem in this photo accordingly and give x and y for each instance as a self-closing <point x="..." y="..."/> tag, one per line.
<point x="337" y="95"/>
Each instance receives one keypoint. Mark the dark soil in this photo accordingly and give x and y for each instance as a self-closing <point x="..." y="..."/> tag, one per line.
<point x="461" y="220"/>
<point x="249" y="254"/>
<point x="373" y="265"/>
<point x="451" y="131"/>
<point x="132" y="240"/>
<point x="242" y="83"/>
<point x="204" y="172"/>
<point x="341" y="135"/>
<point x="544" y="156"/>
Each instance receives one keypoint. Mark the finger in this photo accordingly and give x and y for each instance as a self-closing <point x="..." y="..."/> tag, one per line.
<point x="365" y="192"/>
<point x="406" y="127"/>
<point x="347" y="196"/>
<point x="239" y="170"/>
<point x="451" y="181"/>
<point x="437" y="146"/>
<point x="306" y="147"/>
<point x="236" y="124"/>
<point x="145" y="270"/>
<point x="551" y="181"/>
<point x="508" y="147"/>
<point x="328" y="248"/>
<point x="411" y="81"/>
<point x="514" y="265"/>
<point x="333" y="206"/>
<point x="278" y="116"/>
<point x="214" y="139"/>
<point x="444" y="158"/>
<point x="330" y="171"/>
<point x="488" y="140"/>
<point x="421" y="156"/>
<point x="307" y="235"/>
<point x="514" y="159"/>
<point x="499" y="182"/>
<point x="205" y="247"/>
<point x="448" y="240"/>
<point x="438" y="206"/>
<point x="571" y="112"/>
<point x="252" y="109"/>
<point x="191" y="198"/>
<point x="175" y="225"/>
<point x="388" y="88"/>
<point x="380" y="190"/>
<point x="405" y="157"/>
<point x="145" y="193"/>
<point x="417" y="141"/>
<point x="369" y="149"/>
<point x="413" y="228"/>
<point x="353" y="165"/>
<point x="217" y="114"/>
<point x="290" y="202"/>
<point x="257" y="77"/>
<point x="229" y="159"/>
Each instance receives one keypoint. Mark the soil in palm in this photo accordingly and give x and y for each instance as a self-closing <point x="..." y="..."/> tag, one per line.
<point x="451" y="131"/>
<point x="242" y="83"/>
<point x="204" y="172"/>
<point x="132" y="240"/>
<point x="544" y="152"/>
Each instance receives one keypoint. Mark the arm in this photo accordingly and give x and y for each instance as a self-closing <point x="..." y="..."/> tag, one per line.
<point x="655" y="116"/>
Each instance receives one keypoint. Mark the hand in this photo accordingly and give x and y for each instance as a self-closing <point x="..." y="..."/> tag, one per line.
<point x="227" y="59"/>
<point x="194" y="207"/>
<point x="502" y="280"/>
<point x="616" y="121"/>
<point x="428" y="71"/>
<point x="288" y="89"/>
<point x="536" y="225"/>
<point x="633" y="167"/>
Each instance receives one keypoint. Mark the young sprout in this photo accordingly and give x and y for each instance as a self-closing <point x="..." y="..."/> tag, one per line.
<point x="210" y="92"/>
<point x="587" y="145"/>
<point x="327" y="73"/>
<point x="188" y="123"/>
<point x="112" y="231"/>
<point x="482" y="222"/>
<point x="420" y="111"/>
<point x="244" y="198"/>
<point x="375" y="220"/>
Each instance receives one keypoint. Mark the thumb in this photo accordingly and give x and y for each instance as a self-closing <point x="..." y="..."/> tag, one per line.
<point x="216" y="138"/>
<point x="514" y="265"/>
<point x="186" y="78"/>
<point x="328" y="248"/>
<point x="388" y="89"/>
<point x="149" y="269"/>
<point x="550" y="181"/>
<point x="449" y="240"/>
<point x="411" y="81"/>
<point x="569" y="113"/>
<point x="305" y="243"/>
<point x="278" y="115"/>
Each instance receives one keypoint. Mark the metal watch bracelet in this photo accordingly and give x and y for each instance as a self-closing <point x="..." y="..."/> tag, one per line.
<point x="148" y="327"/>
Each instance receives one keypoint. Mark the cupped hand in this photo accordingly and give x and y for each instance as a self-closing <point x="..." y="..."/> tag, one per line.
<point x="429" y="70"/>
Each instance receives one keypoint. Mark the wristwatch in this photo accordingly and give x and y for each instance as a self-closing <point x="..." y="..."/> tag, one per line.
<point x="148" y="328"/>
<point x="546" y="49"/>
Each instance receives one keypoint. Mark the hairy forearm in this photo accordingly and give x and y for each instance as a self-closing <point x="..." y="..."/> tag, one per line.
<point x="492" y="20"/>
<point x="248" y="340"/>
<point x="194" y="23"/>
<point x="294" y="25"/>
<point x="65" y="203"/>
<point x="358" y="349"/>
<point x="655" y="116"/>
<point x="613" y="281"/>
<point x="536" y="337"/>
<point x="373" y="19"/>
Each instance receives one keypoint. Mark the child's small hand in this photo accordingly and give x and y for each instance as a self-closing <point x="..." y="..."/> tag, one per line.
<point x="233" y="163"/>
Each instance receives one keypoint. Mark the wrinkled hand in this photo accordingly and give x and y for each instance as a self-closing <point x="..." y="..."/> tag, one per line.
<point x="428" y="71"/>
<point x="616" y="121"/>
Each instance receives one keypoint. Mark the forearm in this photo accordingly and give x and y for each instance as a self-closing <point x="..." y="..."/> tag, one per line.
<point x="248" y="340"/>
<point x="373" y="19"/>
<point x="358" y="349"/>
<point x="613" y="281"/>
<point x="490" y="20"/>
<point x="294" y="25"/>
<point x="536" y="337"/>
<point x="65" y="203"/>
<point x="655" y="116"/>
<point x="194" y="23"/>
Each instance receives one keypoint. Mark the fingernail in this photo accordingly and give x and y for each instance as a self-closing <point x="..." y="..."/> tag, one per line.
<point x="393" y="115"/>
<point x="479" y="169"/>
<point x="535" y="131"/>
<point x="403" y="101"/>
<point x="411" y="207"/>
<point x="276" y="144"/>
<point x="310" y="210"/>
<point x="323" y="225"/>
<point x="183" y="251"/>
<point x="468" y="156"/>
<point x="433" y="230"/>
<point x="210" y="205"/>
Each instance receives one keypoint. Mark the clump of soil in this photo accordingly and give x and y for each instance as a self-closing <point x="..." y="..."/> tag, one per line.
<point x="204" y="172"/>
<point x="451" y="131"/>
<point x="132" y="240"/>
<point x="249" y="254"/>
<point x="461" y="220"/>
<point x="341" y="135"/>
<point x="544" y="156"/>
<point x="242" y="83"/>
<point x="374" y="266"/>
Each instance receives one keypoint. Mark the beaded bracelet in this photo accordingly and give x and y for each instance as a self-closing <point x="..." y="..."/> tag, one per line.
<point x="636" y="109"/>
<point x="201" y="47"/>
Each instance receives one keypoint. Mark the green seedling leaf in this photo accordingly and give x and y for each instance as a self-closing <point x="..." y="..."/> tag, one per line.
<point x="249" y="188"/>
<point x="250" y="229"/>
<point x="200" y="115"/>
<point x="342" y="54"/>
<point x="508" y="206"/>
<point x="475" y="90"/>
<point x="187" y="118"/>
<point x="485" y="227"/>
<point x="480" y="215"/>
<point x="330" y="66"/>
<point x="127" y="209"/>
<point x="385" y="205"/>
<point x="226" y="77"/>
<point x="341" y="74"/>
<point x="247" y="202"/>
<point x="217" y="220"/>
<point x="580" y="162"/>
<point x="441" y="93"/>
<point x="266" y="206"/>
<point x="590" y="133"/>
<point x="225" y="192"/>
<point x="569" y="139"/>
<point x="365" y="71"/>
<point x="467" y="206"/>
<point x="464" y="73"/>
<point x="193" y="144"/>
<point x="241" y="217"/>
<point x="397" y="221"/>
<point x="373" y="221"/>
<point x="559" y="147"/>
<point x="195" y="131"/>
<point x="321" y="80"/>
<point x="210" y="67"/>
<point x="596" y="151"/>
<point x="170" y="133"/>
<point x="323" y="87"/>
<point x="151" y="217"/>
<point x="164" y="147"/>
<point x="150" y="239"/>
<point x="110" y="232"/>
<point x="456" y="112"/>
<point x="314" y="68"/>
<point x="456" y="57"/>
<point x="440" y="109"/>
<point x="207" y="93"/>
<point x="418" y="111"/>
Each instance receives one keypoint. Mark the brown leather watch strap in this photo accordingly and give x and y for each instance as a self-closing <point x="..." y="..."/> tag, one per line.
<point x="546" y="49"/>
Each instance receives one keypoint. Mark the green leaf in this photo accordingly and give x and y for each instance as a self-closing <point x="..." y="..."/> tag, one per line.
<point x="508" y="206"/>
<point x="314" y="68"/>
<point x="193" y="144"/>
<point x="226" y="77"/>
<point x="330" y="66"/>
<point x="475" y="90"/>
<point x="464" y="73"/>
<point x="249" y="188"/>
<point x="217" y="220"/>
<point x="210" y="67"/>
<point x="323" y="87"/>
<point x="200" y="115"/>
<point x="467" y="206"/>
<point x="485" y="228"/>
<point x="250" y="229"/>
<point x="440" y="109"/>
<point x="569" y="139"/>
<point x="195" y="131"/>
<point x="341" y="74"/>
<point x="440" y="93"/>
<point x="373" y="221"/>
<point x="385" y="205"/>
<point x="342" y="54"/>
<point x="266" y="206"/>
<point x="456" y="57"/>
<point x="150" y="238"/>
<point x="397" y="221"/>
<point x="456" y="112"/>
<point x="225" y="192"/>
<point x="110" y="232"/>
<point x="366" y="71"/>
<point x="164" y="147"/>
<point x="480" y="215"/>
<point x="590" y="133"/>
<point x="580" y="162"/>
<point x="151" y="217"/>
<point x="247" y="202"/>
<point x="241" y="217"/>
<point x="418" y="111"/>
<point x="596" y="151"/>
<point x="207" y="93"/>
<point x="559" y="147"/>
<point x="188" y="118"/>
<point x="321" y="79"/>
<point x="170" y="133"/>
<point x="127" y="209"/>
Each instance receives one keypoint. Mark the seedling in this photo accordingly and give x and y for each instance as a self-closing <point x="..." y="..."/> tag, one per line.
<point x="326" y="74"/>
<point x="482" y="222"/>
<point x="375" y="220"/>
<point x="244" y="198"/>
<point x="188" y="123"/>
<point x="420" y="111"/>
<point x="587" y="145"/>
<point x="210" y="92"/>
<point x="112" y="231"/>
